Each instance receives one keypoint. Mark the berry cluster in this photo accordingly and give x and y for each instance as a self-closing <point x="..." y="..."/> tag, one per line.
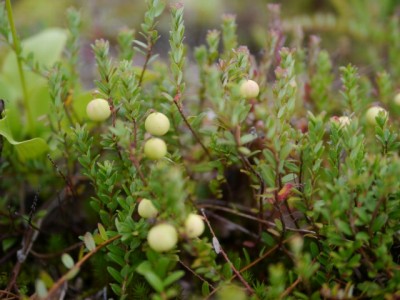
<point x="163" y="236"/>
<point x="156" y="124"/>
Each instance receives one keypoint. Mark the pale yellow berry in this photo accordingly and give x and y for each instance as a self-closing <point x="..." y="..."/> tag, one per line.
<point x="155" y="148"/>
<point x="146" y="209"/>
<point x="162" y="237"/>
<point x="397" y="99"/>
<point x="373" y="112"/>
<point x="194" y="225"/>
<point x="249" y="89"/>
<point x="98" y="110"/>
<point x="157" y="124"/>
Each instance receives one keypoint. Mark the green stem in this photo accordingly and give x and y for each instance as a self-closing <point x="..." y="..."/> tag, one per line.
<point x="18" y="50"/>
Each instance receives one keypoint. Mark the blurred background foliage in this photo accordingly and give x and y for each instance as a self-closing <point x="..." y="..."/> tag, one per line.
<point x="353" y="31"/>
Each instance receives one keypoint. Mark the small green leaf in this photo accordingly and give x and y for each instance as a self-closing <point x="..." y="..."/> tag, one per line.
<point x="115" y="274"/>
<point x="227" y="271"/>
<point x="205" y="289"/>
<point x="168" y="97"/>
<point x="379" y="222"/>
<point x="116" y="259"/>
<point x="67" y="260"/>
<point x="145" y="269"/>
<point x="102" y="231"/>
<point x="8" y="243"/>
<point x="41" y="289"/>
<point x="173" y="277"/>
<point x="163" y="264"/>
<point x="247" y="138"/>
<point x="343" y="227"/>
<point x="314" y="249"/>
<point x="279" y="225"/>
<point x="89" y="241"/>
<point x="116" y="289"/>
<point x="46" y="278"/>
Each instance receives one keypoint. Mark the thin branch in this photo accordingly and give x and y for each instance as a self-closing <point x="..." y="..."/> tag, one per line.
<point x="177" y="101"/>
<point x="290" y="288"/>
<point x="66" y="179"/>
<point x="55" y="254"/>
<point x="249" y="167"/>
<point x="148" y="56"/>
<point x="135" y="162"/>
<point x="245" y="283"/>
<point x="77" y="266"/>
<point x="8" y="294"/>
<point x="18" y="51"/>
<point x="233" y="224"/>
<point x="195" y="274"/>
<point x="250" y="217"/>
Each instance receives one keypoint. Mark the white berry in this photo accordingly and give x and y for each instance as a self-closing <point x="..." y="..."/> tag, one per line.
<point x="146" y="209"/>
<point x="162" y="237"/>
<point x="249" y="89"/>
<point x="155" y="148"/>
<point x="98" y="110"/>
<point x="157" y="124"/>
<point x="194" y="225"/>
<point x="373" y="112"/>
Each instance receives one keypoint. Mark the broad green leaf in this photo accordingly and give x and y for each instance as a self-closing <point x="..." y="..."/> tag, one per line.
<point x="79" y="103"/>
<point x="26" y="149"/>
<point x="39" y="101"/>
<point x="46" y="47"/>
<point x="5" y="92"/>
